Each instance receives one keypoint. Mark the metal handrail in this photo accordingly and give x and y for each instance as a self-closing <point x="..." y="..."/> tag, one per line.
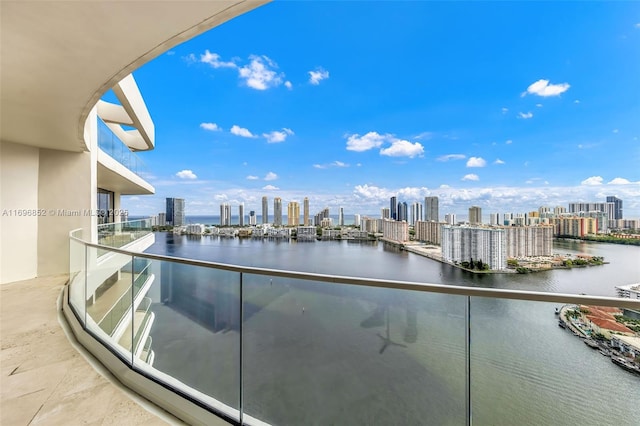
<point x="535" y="296"/>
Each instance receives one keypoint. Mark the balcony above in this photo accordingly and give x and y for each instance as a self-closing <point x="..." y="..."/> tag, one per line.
<point x="59" y="58"/>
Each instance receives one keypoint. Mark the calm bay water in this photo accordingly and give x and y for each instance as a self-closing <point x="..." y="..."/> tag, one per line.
<point x="316" y="353"/>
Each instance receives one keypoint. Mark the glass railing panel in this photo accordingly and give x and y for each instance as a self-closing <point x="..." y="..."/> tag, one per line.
<point x="77" y="275"/>
<point x="325" y="353"/>
<point x="525" y="369"/>
<point x="116" y="149"/>
<point x="194" y="316"/>
<point x="119" y="234"/>
<point x="109" y="299"/>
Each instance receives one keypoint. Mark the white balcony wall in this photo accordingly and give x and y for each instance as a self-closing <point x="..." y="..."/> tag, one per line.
<point x="18" y="190"/>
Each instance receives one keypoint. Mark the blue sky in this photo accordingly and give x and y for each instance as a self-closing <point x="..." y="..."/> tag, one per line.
<point x="505" y="105"/>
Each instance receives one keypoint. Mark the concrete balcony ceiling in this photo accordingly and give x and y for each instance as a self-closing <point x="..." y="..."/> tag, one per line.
<point x="59" y="58"/>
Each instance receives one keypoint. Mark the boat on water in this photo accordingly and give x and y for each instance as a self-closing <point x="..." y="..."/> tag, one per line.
<point x="591" y="343"/>
<point x="626" y="364"/>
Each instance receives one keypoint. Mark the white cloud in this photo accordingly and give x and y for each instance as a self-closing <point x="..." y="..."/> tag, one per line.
<point x="320" y="166"/>
<point x="504" y="110"/>
<point x="593" y="180"/>
<point x="213" y="59"/>
<point x="241" y="131"/>
<point x="498" y="161"/>
<point x="471" y="176"/>
<point x="271" y="176"/>
<point x="619" y="181"/>
<point x="509" y="142"/>
<point x="186" y="174"/>
<point x="402" y="148"/>
<point x="476" y="162"/>
<point x="315" y="77"/>
<point x="615" y="130"/>
<point x="210" y="126"/>
<point x="333" y="164"/>
<point x="444" y="186"/>
<point x="339" y="164"/>
<point x="577" y="101"/>
<point x="543" y="88"/>
<point x="260" y="74"/>
<point x="539" y="105"/>
<point x="270" y="188"/>
<point x="424" y="135"/>
<point x="288" y="85"/>
<point x="637" y="25"/>
<point x="366" y="142"/>
<point x="250" y="177"/>
<point x="276" y="136"/>
<point x="525" y="115"/>
<point x="451" y="157"/>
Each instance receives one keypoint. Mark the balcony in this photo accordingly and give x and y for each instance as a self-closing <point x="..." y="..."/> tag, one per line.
<point x="260" y="346"/>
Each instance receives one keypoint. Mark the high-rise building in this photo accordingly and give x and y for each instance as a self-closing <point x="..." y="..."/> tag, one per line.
<point x="431" y="209"/>
<point x="403" y="212"/>
<point x="293" y="213"/>
<point x="241" y="214"/>
<point x="394" y="230"/>
<point x="175" y="211"/>
<point x="429" y="232"/>
<point x="306" y="220"/>
<point x="393" y="208"/>
<point x="277" y="211"/>
<point x="450" y="218"/>
<point x="475" y="215"/>
<point x="617" y="207"/>
<point x="341" y="217"/>
<point x="416" y="213"/>
<point x="356" y="220"/>
<point x="494" y="219"/>
<point x="252" y="217"/>
<point x="265" y="210"/>
<point x="225" y="214"/>
<point x="162" y="219"/>
<point x="466" y="243"/>
<point x="385" y="213"/>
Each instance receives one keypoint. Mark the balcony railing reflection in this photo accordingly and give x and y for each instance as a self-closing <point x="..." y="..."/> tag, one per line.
<point x="281" y="347"/>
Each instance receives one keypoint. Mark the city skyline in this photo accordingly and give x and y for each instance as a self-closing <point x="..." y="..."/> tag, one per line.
<point x="511" y="108"/>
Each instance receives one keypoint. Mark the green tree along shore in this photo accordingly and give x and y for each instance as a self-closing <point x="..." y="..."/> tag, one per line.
<point x="603" y="239"/>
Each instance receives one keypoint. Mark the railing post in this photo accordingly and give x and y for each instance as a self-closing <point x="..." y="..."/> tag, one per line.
<point x="133" y="311"/>
<point x="240" y="328"/>
<point x="467" y="344"/>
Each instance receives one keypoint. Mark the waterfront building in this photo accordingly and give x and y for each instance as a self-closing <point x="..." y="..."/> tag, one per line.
<point x="524" y="241"/>
<point x="225" y="214"/>
<point x="617" y="206"/>
<point x="558" y="210"/>
<point x="326" y="222"/>
<point x="195" y="229"/>
<point x="385" y="213"/>
<point x="306" y="219"/>
<point x="320" y="216"/>
<point x="475" y="215"/>
<point x="306" y="232"/>
<point x="252" y="218"/>
<point x="341" y="216"/>
<point x="631" y="291"/>
<point x="162" y="219"/>
<point x="431" y="209"/>
<point x="494" y="219"/>
<point x="331" y="234"/>
<point x="396" y="231"/>
<point x="574" y="226"/>
<point x="356" y="220"/>
<point x="464" y="243"/>
<point x="450" y="218"/>
<point x="175" y="211"/>
<point x="429" y="232"/>
<point x="241" y="214"/>
<point x="393" y="208"/>
<point x="293" y="213"/>
<point x="277" y="211"/>
<point x="265" y="210"/>
<point x="369" y="225"/>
